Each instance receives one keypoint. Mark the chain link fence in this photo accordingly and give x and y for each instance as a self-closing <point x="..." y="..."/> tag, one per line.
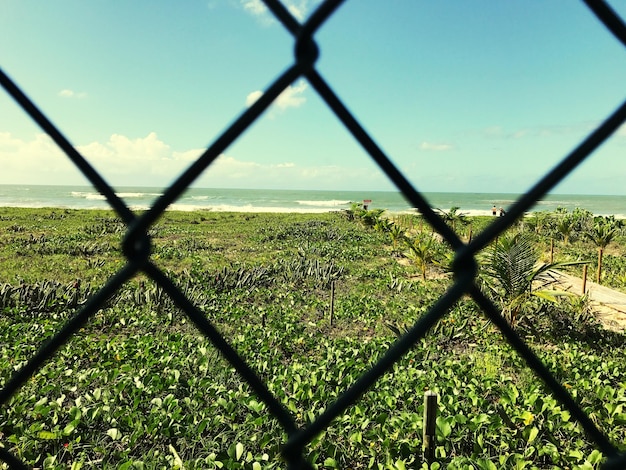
<point x="137" y="244"/>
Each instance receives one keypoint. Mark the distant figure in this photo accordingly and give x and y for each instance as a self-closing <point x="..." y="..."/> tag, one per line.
<point x="502" y="212"/>
<point x="493" y="210"/>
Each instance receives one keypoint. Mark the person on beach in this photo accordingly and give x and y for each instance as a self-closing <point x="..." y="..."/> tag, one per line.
<point x="502" y="212"/>
<point x="493" y="210"/>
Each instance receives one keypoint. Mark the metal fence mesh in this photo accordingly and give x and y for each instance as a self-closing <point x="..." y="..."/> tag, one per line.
<point x="136" y="244"/>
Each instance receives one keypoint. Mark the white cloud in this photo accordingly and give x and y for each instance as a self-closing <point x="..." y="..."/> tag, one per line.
<point x="36" y="161"/>
<point x="253" y="97"/>
<point x="579" y="129"/>
<point x="120" y="160"/>
<point x="148" y="161"/>
<point x="299" y="9"/>
<point x="255" y="7"/>
<point x="291" y="97"/>
<point x="228" y="171"/>
<point x="139" y="158"/>
<point x="66" y="93"/>
<point x="435" y="147"/>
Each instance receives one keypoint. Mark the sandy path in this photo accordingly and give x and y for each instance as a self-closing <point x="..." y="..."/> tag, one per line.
<point x="609" y="304"/>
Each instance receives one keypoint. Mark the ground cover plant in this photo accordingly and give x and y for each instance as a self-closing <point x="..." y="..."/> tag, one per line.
<point x="139" y="387"/>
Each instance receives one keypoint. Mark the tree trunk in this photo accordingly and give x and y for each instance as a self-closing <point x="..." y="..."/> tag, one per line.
<point x="600" y="252"/>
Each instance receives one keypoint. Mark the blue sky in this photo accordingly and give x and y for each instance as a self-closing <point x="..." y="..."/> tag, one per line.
<point x="476" y="96"/>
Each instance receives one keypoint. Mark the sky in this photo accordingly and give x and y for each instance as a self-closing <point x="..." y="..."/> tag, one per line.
<point x="467" y="96"/>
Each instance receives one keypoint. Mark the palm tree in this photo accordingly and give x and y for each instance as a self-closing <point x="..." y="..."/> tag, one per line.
<point x="383" y="225"/>
<point x="538" y="221"/>
<point x="601" y="234"/>
<point x="396" y="233"/>
<point x="512" y="269"/>
<point x="421" y="252"/>
<point x="565" y="226"/>
<point x="453" y="216"/>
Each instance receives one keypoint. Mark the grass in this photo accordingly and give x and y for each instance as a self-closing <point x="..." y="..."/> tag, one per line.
<point x="140" y="387"/>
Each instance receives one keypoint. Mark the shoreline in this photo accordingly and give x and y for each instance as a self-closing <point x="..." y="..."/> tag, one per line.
<point x="251" y="209"/>
<point x="296" y="201"/>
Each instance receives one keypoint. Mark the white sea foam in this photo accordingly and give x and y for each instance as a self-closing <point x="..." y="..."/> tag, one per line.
<point x="137" y="195"/>
<point x="99" y="197"/>
<point x="246" y="208"/>
<point x="88" y="196"/>
<point x="330" y="203"/>
<point x="242" y="200"/>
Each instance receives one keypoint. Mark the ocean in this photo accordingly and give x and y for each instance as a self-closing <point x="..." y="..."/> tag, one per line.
<point x="263" y="200"/>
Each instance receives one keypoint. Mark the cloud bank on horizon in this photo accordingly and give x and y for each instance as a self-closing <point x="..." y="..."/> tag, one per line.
<point x="457" y="104"/>
<point x="123" y="161"/>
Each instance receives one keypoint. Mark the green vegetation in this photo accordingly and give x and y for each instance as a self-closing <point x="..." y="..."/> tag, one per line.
<point x="513" y="274"/>
<point x="140" y="388"/>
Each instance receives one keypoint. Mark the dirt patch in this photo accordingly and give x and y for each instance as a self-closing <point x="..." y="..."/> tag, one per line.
<point x="609" y="305"/>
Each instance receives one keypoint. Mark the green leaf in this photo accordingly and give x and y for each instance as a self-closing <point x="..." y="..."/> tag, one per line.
<point x="443" y="426"/>
<point x="41" y="402"/>
<point x="595" y="457"/>
<point x="76" y="466"/>
<point x="238" y="450"/>
<point x="551" y="295"/>
<point x="486" y="464"/>
<point x="330" y="463"/>
<point x="532" y="435"/>
<point x="69" y="429"/>
<point x="620" y="418"/>
<point x="575" y="454"/>
<point x="400" y="465"/>
<point x="178" y="463"/>
<point x="48" y="435"/>
<point x="114" y="434"/>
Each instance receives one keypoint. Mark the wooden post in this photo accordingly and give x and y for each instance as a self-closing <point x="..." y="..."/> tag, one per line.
<point x="430" y="421"/>
<point x="470" y="235"/>
<point x="332" y="302"/>
<point x="584" y="279"/>
<point x="551" y="250"/>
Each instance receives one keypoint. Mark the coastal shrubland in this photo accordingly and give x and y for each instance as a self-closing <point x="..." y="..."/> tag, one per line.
<point x="140" y="387"/>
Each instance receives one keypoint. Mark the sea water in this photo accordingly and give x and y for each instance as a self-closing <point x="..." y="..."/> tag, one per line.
<point x="265" y="200"/>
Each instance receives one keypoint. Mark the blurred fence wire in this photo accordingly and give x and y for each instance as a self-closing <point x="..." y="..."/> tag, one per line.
<point x="137" y="245"/>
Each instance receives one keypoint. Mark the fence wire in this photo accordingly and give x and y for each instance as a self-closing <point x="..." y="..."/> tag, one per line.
<point x="137" y="246"/>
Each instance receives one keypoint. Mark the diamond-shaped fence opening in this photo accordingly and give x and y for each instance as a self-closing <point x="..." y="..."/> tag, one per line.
<point x="137" y="249"/>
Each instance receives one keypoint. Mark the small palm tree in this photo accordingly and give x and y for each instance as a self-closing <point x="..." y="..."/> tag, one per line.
<point x="421" y="251"/>
<point x="453" y="217"/>
<point x="383" y="225"/>
<point x="565" y="226"/>
<point x="538" y="221"/>
<point x="368" y="217"/>
<point x="396" y="233"/>
<point x="511" y="269"/>
<point x="601" y="234"/>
